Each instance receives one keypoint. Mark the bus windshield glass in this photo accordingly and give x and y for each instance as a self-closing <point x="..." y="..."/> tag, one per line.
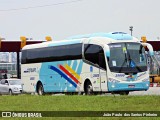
<point x="127" y="58"/>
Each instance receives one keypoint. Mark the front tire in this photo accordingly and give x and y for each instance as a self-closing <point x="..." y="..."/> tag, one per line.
<point x="40" y="89"/>
<point x="88" y="88"/>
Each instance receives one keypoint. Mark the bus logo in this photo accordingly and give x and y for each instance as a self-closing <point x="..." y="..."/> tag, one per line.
<point x="130" y="76"/>
<point x="120" y="75"/>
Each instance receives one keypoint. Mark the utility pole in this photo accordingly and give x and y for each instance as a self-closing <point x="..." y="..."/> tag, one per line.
<point x="131" y="29"/>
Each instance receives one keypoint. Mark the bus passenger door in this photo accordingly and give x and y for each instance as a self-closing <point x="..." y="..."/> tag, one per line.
<point x="103" y="72"/>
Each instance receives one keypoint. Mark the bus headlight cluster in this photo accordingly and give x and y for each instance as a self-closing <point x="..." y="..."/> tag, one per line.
<point x="113" y="80"/>
<point x="113" y="86"/>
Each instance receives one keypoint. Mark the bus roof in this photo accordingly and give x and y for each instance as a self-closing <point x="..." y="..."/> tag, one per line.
<point x="78" y="39"/>
<point x="112" y="35"/>
<point x="52" y="43"/>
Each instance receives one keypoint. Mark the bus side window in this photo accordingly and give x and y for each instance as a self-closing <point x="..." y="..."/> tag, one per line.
<point x="24" y="56"/>
<point x="91" y="54"/>
<point x="52" y="53"/>
<point x="102" y="62"/>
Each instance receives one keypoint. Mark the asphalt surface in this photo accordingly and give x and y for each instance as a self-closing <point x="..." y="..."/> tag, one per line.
<point x="150" y="91"/>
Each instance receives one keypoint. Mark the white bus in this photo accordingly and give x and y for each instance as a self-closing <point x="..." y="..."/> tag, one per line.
<point x="101" y="62"/>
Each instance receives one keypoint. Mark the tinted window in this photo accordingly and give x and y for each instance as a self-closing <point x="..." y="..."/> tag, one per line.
<point x="127" y="57"/>
<point x="54" y="53"/>
<point x="94" y="54"/>
<point x="24" y="56"/>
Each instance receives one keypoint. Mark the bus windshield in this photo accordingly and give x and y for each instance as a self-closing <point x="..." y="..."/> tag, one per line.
<point x="127" y="58"/>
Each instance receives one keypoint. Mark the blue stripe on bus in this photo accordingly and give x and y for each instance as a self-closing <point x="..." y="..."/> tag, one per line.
<point x="79" y="70"/>
<point x="63" y="75"/>
<point x="69" y="62"/>
<point x="74" y="65"/>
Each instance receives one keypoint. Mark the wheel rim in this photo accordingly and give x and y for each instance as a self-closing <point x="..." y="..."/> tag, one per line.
<point x="40" y="90"/>
<point x="89" y="89"/>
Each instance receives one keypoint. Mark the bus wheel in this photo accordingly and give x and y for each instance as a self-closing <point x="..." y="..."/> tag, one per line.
<point x="124" y="93"/>
<point x="40" y="89"/>
<point x="88" y="88"/>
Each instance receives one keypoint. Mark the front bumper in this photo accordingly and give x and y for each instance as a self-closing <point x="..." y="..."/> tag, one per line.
<point x="130" y="86"/>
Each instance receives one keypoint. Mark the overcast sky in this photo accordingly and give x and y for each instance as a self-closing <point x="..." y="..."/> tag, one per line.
<point x="61" y="21"/>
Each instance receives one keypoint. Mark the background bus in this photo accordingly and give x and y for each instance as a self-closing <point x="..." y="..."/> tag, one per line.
<point x="101" y="62"/>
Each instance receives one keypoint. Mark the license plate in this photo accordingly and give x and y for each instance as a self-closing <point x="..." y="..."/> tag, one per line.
<point x="131" y="86"/>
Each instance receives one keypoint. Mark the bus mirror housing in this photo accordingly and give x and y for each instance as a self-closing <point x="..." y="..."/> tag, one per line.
<point x="23" y="41"/>
<point x="150" y="48"/>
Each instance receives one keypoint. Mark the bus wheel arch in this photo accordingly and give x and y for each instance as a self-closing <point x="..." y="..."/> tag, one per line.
<point x="88" y="88"/>
<point x="40" y="88"/>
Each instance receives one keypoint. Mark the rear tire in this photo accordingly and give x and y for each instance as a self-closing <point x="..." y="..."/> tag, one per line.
<point x="88" y="88"/>
<point x="40" y="89"/>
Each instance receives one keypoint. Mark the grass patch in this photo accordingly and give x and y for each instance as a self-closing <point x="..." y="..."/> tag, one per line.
<point x="80" y="103"/>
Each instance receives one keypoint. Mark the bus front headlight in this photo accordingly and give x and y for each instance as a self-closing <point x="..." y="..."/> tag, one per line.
<point x="146" y="80"/>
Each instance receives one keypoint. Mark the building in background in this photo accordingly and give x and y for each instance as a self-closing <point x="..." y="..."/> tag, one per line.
<point x="8" y="63"/>
<point x="8" y="57"/>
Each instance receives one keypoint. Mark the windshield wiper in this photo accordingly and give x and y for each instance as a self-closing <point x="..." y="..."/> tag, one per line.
<point x="125" y="61"/>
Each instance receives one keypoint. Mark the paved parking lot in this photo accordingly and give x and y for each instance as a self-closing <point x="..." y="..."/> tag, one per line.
<point x="151" y="91"/>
